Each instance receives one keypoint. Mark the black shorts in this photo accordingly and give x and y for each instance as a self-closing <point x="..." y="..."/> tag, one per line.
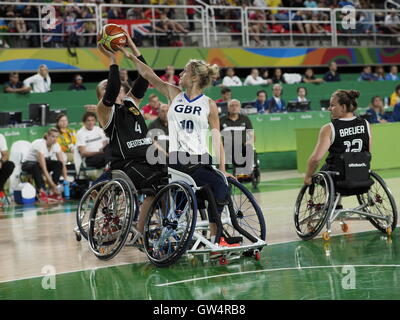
<point x="142" y="174"/>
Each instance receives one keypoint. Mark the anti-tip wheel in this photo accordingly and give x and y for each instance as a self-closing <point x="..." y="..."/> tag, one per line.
<point x="389" y="231"/>
<point x="345" y="227"/>
<point x="78" y="237"/>
<point x="223" y="261"/>
<point x="257" y="255"/>
<point x="326" y="236"/>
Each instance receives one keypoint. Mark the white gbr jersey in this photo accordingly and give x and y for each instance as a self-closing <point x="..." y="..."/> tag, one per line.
<point x="188" y="124"/>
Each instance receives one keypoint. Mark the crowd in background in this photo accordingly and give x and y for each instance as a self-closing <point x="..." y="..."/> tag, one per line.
<point x="78" y="28"/>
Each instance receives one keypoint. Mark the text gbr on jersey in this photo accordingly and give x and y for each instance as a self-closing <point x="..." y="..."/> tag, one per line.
<point x="187" y="109"/>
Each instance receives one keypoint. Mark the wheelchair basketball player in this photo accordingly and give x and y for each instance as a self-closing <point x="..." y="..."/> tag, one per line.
<point x="120" y="116"/>
<point x="345" y="133"/>
<point x="190" y="115"/>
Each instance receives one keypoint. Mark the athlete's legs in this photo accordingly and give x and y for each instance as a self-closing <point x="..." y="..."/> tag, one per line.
<point x="206" y="176"/>
<point x="143" y="213"/>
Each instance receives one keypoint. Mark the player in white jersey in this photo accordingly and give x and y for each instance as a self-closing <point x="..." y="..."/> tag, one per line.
<point x="190" y="115"/>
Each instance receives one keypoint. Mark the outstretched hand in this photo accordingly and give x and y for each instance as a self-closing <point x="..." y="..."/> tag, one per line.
<point x="126" y="53"/>
<point x="107" y="53"/>
<point x="132" y="45"/>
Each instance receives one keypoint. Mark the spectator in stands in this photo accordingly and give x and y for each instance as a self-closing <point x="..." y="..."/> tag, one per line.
<point x="150" y="111"/>
<point x="395" y="96"/>
<point x="40" y="82"/>
<point x="226" y="95"/>
<point x="66" y="138"/>
<point x="13" y="85"/>
<point x="124" y="77"/>
<point x="115" y="12"/>
<point x="367" y="75"/>
<point x="38" y="162"/>
<point x="261" y="102"/>
<point x="253" y="79"/>
<point x="278" y="77"/>
<point x="302" y="94"/>
<point x="158" y="130"/>
<point x="310" y="4"/>
<point x="380" y="73"/>
<point x="393" y="74"/>
<point x="392" y="22"/>
<point x="332" y="74"/>
<point x="309" y="77"/>
<point x="376" y="111"/>
<point x="77" y="84"/>
<point x="170" y="76"/>
<point x="6" y="168"/>
<point x="92" y="142"/>
<point x="258" y="28"/>
<point x="276" y="103"/>
<point x="230" y="80"/>
<point x="265" y="76"/>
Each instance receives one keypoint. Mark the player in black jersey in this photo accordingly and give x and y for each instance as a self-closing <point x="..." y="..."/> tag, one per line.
<point x="345" y="133"/>
<point x="123" y="123"/>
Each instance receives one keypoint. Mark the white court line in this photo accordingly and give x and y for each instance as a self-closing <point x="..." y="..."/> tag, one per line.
<point x="272" y="270"/>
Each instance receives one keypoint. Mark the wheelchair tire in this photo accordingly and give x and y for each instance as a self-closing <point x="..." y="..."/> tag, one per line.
<point x="376" y="199"/>
<point x="320" y="206"/>
<point x="111" y="219"/>
<point x="247" y="221"/>
<point x="170" y="223"/>
<point x="86" y="204"/>
<point x="255" y="178"/>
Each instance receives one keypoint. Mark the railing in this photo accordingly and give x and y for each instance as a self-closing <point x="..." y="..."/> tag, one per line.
<point x="154" y="24"/>
<point x="210" y="26"/>
<point x="48" y="28"/>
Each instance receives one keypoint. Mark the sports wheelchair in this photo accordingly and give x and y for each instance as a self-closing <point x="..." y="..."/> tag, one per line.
<point x="242" y="173"/>
<point x="175" y="224"/>
<point x="318" y="204"/>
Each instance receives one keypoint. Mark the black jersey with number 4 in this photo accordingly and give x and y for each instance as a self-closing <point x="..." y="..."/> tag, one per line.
<point x="348" y="135"/>
<point x="127" y="131"/>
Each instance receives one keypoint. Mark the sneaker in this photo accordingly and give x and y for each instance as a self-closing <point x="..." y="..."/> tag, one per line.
<point x="43" y="197"/>
<point x="3" y="199"/>
<point x="223" y="243"/>
<point x="55" y="198"/>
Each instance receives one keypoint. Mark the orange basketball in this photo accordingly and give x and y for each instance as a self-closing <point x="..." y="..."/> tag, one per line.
<point x="111" y="36"/>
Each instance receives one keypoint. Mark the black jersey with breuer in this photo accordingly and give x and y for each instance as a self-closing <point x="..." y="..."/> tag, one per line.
<point x="127" y="131"/>
<point x="348" y="136"/>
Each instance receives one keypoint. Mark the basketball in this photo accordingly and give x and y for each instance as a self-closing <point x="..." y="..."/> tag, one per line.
<point x="111" y="36"/>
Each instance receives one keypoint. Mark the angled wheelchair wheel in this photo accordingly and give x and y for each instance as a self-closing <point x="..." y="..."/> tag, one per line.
<point x="247" y="219"/>
<point x="86" y="204"/>
<point x="111" y="219"/>
<point x="170" y="224"/>
<point x="313" y="205"/>
<point x="380" y="203"/>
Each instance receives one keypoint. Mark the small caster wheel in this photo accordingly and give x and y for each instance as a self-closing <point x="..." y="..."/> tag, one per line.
<point x="389" y="231"/>
<point x="257" y="255"/>
<point x="326" y="236"/>
<point x="223" y="261"/>
<point x="345" y="227"/>
<point x="78" y="237"/>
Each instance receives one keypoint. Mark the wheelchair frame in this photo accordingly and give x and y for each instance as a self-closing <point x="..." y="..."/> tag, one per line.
<point x="333" y="214"/>
<point x="224" y="253"/>
<point x="198" y="237"/>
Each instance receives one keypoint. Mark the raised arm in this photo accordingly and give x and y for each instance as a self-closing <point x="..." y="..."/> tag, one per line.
<point x="168" y="90"/>
<point x="104" y="107"/>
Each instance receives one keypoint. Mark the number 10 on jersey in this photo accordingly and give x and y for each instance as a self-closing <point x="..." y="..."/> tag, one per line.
<point x="187" y="125"/>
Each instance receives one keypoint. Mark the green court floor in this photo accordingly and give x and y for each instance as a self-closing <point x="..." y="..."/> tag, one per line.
<point x="358" y="266"/>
